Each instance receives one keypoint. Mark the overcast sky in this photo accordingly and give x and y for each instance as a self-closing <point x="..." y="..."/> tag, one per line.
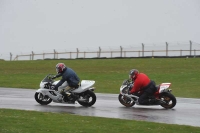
<point x="64" y="25"/>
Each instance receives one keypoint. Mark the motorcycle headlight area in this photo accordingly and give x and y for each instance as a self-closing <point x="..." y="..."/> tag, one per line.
<point x="124" y="89"/>
<point x="43" y="84"/>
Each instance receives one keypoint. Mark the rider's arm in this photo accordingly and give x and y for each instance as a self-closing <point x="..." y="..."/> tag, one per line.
<point x="59" y="83"/>
<point x="56" y="76"/>
<point x="136" y="87"/>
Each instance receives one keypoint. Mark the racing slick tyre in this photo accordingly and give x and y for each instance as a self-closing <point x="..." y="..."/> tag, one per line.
<point x="125" y="101"/>
<point x="90" y="98"/>
<point x="169" y="99"/>
<point x="41" y="99"/>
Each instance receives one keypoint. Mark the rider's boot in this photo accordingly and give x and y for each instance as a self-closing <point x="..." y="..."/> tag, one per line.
<point x="65" y="95"/>
<point x="154" y="102"/>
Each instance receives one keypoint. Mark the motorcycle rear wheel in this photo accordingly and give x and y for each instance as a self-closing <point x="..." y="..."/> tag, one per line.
<point x="90" y="95"/>
<point x="41" y="99"/>
<point x="169" y="99"/>
<point x="122" y="100"/>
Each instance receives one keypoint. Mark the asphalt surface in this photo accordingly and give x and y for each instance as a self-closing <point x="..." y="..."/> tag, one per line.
<point x="186" y="111"/>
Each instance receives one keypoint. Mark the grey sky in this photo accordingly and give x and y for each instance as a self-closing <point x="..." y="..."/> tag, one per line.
<point x="64" y="25"/>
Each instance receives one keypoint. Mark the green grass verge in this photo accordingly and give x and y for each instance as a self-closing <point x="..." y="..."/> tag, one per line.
<point x="15" y="121"/>
<point x="184" y="74"/>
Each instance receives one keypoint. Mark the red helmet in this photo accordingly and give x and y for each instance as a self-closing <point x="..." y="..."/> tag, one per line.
<point x="133" y="74"/>
<point x="60" y="67"/>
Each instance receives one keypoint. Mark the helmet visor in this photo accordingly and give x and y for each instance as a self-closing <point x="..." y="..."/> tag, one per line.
<point x="57" y="70"/>
<point x="129" y="76"/>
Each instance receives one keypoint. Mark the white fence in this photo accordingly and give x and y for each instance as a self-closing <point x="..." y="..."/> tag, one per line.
<point x="166" y="50"/>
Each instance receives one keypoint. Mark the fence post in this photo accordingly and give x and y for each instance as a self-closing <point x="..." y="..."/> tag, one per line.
<point x="77" y="51"/>
<point x="70" y="55"/>
<point x="120" y="51"/>
<point x="152" y="53"/>
<point x="43" y="56"/>
<point x="194" y="53"/>
<point x="142" y="50"/>
<point x="99" y="52"/>
<point x="166" y="49"/>
<point x="54" y="53"/>
<point x="190" y="48"/>
<point x="181" y="52"/>
<point x="111" y="53"/>
<point x="32" y="55"/>
<point x="10" y="56"/>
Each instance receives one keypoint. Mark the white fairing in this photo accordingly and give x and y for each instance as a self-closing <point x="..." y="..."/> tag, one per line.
<point x="121" y="88"/>
<point x="85" y="85"/>
<point x="63" y="86"/>
<point x="164" y="86"/>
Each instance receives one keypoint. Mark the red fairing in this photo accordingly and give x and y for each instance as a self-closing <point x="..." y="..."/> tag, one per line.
<point x="156" y="94"/>
<point x="140" y="82"/>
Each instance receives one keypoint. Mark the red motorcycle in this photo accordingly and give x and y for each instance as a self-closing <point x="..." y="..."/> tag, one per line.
<point x="163" y="95"/>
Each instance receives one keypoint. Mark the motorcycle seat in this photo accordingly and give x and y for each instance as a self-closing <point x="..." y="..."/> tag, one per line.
<point x="157" y="87"/>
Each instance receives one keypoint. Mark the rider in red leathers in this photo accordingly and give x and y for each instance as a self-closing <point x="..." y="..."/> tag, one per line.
<point x="144" y="85"/>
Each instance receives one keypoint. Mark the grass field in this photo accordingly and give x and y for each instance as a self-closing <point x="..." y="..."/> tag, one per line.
<point x="14" y="121"/>
<point x="108" y="74"/>
<point x="184" y="74"/>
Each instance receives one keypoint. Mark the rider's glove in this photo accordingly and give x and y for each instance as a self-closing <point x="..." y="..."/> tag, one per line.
<point x="129" y="80"/>
<point x="130" y="86"/>
<point x="53" y="77"/>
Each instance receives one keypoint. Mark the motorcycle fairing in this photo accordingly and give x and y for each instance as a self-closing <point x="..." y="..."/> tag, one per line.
<point x="164" y="86"/>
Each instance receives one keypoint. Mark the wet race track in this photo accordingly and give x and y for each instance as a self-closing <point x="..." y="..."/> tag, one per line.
<point x="186" y="111"/>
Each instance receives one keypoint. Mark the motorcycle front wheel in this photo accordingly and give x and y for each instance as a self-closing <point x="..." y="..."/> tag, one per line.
<point x="41" y="99"/>
<point x="125" y="101"/>
<point x="90" y="98"/>
<point x="169" y="99"/>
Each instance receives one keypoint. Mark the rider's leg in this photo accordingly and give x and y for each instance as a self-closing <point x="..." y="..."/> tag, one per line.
<point x="143" y="99"/>
<point x="65" y="92"/>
